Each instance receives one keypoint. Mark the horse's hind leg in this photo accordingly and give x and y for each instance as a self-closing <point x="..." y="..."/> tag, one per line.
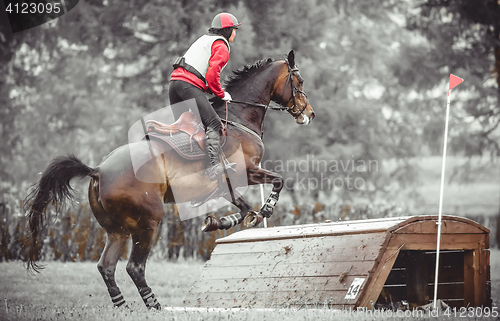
<point x="142" y="241"/>
<point x="107" y="265"/>
<point x="116" y="239"/>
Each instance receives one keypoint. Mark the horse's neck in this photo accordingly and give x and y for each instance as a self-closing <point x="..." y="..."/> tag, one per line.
<point x="256" y="90"/>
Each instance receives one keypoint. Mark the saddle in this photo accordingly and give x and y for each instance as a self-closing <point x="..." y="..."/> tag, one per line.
<point x="187" y="123"/>
<point x="180" y="135"/>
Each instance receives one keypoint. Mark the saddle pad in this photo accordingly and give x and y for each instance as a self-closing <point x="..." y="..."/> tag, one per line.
<point x="181" y="142"/>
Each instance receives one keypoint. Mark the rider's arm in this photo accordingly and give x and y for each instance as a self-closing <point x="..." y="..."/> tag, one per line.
<point x="218" y="59"/>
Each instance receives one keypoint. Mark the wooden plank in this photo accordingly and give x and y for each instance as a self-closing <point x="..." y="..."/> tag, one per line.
<point x="375" y="284"/>
<point x="321" y="283"/>
<point x="476" y="277"/>
<point x="416" y="219"/>
<point x="303" y="244"/>
<point x="266" y="299"/>
<point x="447" y="227"/>
<point x="314" y="230"/>
<point x="488" y="279"/>
<point x="230" y="303"/>
<point x="336" y="254"/>
<point x="280" y="269"/>
<point x="480" y="275"/>
<point x="476" y="266"/>
<point x="469" y="287"/>
<point x="428" y="241"/>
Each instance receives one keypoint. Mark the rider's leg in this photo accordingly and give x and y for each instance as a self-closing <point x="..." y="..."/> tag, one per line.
<point x="213" y="148"/>
<point x="181" y="91"/>
<point x="212" y="124"/>
<point x="175" y="89"/>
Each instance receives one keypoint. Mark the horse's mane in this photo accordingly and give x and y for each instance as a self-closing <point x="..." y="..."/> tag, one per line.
<point x="244" y="73"/>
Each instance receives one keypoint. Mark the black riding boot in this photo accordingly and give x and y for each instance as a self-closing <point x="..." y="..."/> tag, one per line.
<point x="212" y="145"/>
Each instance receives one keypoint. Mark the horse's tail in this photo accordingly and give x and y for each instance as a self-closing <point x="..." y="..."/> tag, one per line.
<point x="54" y="187"/>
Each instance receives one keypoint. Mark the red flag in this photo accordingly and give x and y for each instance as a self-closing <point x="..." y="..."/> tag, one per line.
<point x="455" y="81"/>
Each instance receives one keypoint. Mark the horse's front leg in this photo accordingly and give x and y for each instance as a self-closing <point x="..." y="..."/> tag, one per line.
<point x="213" y="223"/>
<point x="257" y="175"/>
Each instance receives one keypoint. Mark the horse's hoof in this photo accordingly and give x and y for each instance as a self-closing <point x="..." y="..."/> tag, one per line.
<point x="266" y="211"/>
<point x="156" y="307"/>
<point x="253" y="219"/>
<point x="211" y="223"/>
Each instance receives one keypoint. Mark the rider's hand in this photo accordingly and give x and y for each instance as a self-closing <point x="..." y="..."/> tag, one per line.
<point x="227" y="97"/>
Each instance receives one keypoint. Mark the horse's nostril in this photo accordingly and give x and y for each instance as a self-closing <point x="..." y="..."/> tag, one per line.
<point x="312" y="115"/>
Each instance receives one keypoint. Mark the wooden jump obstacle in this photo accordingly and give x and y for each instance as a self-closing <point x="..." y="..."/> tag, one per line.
<point x="349" y="264"/>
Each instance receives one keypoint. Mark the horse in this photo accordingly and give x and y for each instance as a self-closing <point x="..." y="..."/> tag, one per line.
<point x="125" y="206"/>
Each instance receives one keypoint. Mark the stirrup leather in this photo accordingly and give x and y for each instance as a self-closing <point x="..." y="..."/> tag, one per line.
<point x="216" y="170"/>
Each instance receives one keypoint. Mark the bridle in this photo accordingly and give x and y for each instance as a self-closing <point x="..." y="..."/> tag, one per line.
<point x="294" y="110"/>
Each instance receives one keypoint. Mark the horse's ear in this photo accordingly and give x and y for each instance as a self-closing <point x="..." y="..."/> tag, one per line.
<point x="291" y="58"/>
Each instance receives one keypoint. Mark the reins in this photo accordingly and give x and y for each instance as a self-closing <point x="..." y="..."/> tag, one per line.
<point x="259" y="105"/>
<point x="227" y="116"/>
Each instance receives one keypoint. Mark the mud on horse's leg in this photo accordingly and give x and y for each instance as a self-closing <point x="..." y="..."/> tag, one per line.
<point x="136" y="266"/>
<point x="107" y="265"/>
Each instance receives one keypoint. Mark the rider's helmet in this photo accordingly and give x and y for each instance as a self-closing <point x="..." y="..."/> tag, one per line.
<point x="225" y="20"/>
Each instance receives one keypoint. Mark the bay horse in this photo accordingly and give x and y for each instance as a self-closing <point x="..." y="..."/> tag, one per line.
<point x="126" y="206"/>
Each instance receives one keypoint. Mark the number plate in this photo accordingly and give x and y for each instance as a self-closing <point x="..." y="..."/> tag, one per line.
<point x="353" y="291"/>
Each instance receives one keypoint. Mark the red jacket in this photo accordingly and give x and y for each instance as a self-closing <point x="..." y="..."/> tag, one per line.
<point x="218" y="59"/>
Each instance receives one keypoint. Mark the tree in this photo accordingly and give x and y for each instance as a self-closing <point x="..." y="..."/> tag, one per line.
<point x="463" y="39"/>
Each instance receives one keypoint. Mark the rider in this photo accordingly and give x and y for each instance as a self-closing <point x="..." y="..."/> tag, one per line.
<point x="198" y="71"/>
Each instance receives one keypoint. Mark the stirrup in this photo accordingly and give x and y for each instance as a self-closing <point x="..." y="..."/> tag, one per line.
<point x="215" y="171"/>
<point x="228" y="165"/>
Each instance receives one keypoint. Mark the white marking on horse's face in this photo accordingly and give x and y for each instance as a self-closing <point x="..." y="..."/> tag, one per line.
<point x="303" y="120"/>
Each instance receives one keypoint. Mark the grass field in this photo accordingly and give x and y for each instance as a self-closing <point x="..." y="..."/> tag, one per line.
<point x="471" y="186"/>
<point x="75" y="291"/>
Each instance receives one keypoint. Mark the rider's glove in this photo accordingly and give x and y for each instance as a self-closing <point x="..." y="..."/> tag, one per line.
<point x="227" y="96"/>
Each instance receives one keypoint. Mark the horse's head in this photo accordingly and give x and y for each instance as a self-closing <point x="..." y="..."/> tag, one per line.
<point x="288" y="92"/>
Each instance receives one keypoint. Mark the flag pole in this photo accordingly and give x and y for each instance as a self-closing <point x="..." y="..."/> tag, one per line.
<point x="263" y="200"/>
<point x="454" y="81"/>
